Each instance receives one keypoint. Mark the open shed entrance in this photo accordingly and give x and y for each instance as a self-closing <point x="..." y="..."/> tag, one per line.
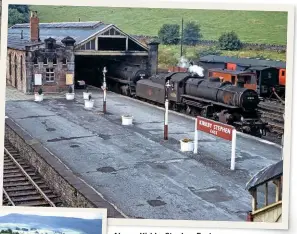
<point x="90" y="67"/>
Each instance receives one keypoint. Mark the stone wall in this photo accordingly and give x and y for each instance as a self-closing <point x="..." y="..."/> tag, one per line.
<point x="59" y="55"/>
<point x="16" y="69"/>
<point x="72" y="190"/>
<point x="248" y="46"/>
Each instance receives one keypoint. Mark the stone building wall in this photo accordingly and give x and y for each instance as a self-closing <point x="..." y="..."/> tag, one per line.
<point x="16" y="69"/>
<point x="59" y="68"/>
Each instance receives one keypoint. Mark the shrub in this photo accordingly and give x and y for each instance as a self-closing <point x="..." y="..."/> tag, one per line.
<point x="40" y="91"/>
<point x="192" y="34"/>
<point x="167" y="57"/>
<point x="169" y="34"/>
<point x="229" y="41"/>
<point x="208" y="51"/>
<point x="70" y="89"/>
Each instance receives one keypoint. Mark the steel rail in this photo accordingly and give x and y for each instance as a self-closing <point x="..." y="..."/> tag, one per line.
<point x="7" y="196"/>
<point x="30" y="179"/>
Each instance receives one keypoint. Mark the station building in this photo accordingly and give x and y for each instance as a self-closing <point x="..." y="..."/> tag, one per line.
<point x="55" y="55"/>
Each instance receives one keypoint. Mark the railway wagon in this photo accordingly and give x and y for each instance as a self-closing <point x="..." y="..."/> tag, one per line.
<point x="270" y="74"/>
<point x="238" y="78"/>
<point x="210" y="98"/>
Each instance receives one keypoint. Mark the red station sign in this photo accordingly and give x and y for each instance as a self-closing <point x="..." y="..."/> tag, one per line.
<point x="214" y="128"/>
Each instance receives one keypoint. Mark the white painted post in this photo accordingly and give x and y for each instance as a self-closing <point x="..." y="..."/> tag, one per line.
<point x="233" y="149"/>
<point x="196" y="138"/>
<point x="104" y="90"/>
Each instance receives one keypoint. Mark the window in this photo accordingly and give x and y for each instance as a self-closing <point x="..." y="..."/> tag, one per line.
<point x="93" y="45"/>
<point x="283" y="73"/>
<point x="55" y="61"/>
<point x="45" y="61"/>
<point x="35" y="61"/>
<point x="233" y="79"/>
<point x="50" y="75"/>
<point x="88" y="45"/>
<point x="64" y="61"/>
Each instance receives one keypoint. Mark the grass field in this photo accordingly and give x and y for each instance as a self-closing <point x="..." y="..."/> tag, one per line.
<point x="169" y="55"/>
<point x="251" y="26"/>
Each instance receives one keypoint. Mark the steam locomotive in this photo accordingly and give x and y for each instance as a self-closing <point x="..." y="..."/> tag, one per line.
<point x="194" y="95"/>
<point x="209" y="98"/>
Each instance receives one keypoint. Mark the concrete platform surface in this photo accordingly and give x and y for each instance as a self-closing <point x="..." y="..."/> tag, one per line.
<point x="135" y="169"/>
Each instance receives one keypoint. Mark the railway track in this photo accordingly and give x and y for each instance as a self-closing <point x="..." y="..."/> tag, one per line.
<point x="273" y="113"/>
<point x="22" y="185"/>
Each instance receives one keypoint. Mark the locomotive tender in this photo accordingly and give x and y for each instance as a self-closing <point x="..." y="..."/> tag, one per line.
<point x="209" y="98"/>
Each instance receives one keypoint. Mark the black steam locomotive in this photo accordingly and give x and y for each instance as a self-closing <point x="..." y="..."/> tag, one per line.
<point x="209" y="98"/>
<point x="193" y="95"/>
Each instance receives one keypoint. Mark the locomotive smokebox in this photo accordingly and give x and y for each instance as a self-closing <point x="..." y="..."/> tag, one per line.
<point x="153" y="58"/>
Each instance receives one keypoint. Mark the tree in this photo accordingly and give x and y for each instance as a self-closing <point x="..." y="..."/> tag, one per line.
<point x="229" y="41"/>
<point x="169" y="34"/>
<point x="192" y="34"/>
<point x="18" y="14"/>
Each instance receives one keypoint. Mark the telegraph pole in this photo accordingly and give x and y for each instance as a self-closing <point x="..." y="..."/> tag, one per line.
<point x="182" y="38"/>
<point x="104" y="90"/>
<point x="167" y="86"/>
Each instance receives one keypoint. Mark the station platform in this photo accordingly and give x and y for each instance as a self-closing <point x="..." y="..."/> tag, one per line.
<point x="143" y="175"/>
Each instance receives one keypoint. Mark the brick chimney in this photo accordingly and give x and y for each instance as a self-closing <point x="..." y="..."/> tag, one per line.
<point x="34" y="26"/>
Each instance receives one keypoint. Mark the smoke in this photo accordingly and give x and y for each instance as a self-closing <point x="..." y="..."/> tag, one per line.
<point x="183" y="62"/>
<point x="197" y="70"/>
<point x="194" y="69"/>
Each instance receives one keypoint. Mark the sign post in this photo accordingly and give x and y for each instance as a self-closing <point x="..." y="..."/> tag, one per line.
<point x="104" y="90"/>
<point x="167" y="86"/>
<point x="217" y="129"/>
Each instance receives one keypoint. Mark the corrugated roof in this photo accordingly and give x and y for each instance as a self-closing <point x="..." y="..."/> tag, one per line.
<point x="79" y="31"/>
<point x="266" y="174"/>
<point x="243" y="61"/>
<point x="234" y="72"/>
<point x="86" y="24"/>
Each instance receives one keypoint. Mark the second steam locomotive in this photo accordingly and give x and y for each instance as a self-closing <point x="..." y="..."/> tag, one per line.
<point x="210" y="98"/>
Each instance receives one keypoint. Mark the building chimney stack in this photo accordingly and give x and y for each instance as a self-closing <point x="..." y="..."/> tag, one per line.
<point x="34" y="26"/>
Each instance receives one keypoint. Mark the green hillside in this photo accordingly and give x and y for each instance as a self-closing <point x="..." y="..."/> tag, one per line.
<point x="251" y="26"/>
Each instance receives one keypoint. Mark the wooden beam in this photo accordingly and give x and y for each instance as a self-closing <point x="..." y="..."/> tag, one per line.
<point x="254" y="203"/>
<point x="266" y="194"/>
<point x="111" y="53"/>
<point x="278" y="190"/>
<point x="96" y="43"/>
<point x="111" y="36"/>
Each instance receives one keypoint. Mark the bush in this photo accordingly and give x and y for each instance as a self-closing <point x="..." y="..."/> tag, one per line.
<point x="18" y="14"/>
<point x="208" y="51"/>
<point x="192" y="34"/>
<point x="169" y="34"/>
<point x="229" y="41"/>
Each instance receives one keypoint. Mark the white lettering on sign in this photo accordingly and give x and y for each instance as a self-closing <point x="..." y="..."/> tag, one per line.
<point x="222" y="129"/>
<point x="206" y="124"/>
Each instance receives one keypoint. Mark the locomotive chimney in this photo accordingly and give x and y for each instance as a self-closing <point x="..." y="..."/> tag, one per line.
<point x="34" y="27"/>
<point x="153" y="57"/>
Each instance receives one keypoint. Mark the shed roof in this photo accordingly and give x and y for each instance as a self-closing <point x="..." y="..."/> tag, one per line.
<point x="243" y="61"/>
<point x="79" y="31"/>
<point x="233" y="72"/>
<point x="266" y="174"/>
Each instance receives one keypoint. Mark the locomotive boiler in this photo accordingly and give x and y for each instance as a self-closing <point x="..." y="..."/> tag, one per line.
<point x="206" y="97"/>
<point x="125" y="76"/>
<point x="224" y="93"/>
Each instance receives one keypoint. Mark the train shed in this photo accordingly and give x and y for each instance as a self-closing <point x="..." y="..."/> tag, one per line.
<point x="76" y="50"/>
